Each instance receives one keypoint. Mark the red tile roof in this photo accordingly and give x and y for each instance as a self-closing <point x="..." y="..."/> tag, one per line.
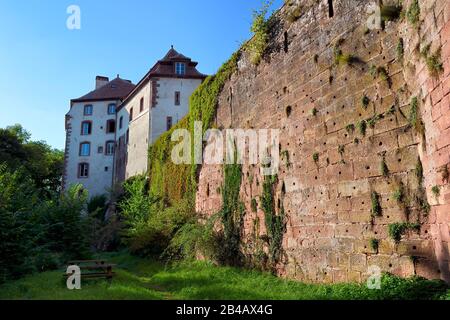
<point x="116" y="89"/>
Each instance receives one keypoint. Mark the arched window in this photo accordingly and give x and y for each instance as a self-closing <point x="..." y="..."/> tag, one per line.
<point x="110" y="148"/>
<point x="131" y="114"/>
<point x="111" y="126"/>
<point x="141" y="105"/>
<point x="83" y="170"/>
<point x="86" y="128"/>
<point x="112" y="108"/>
<point x="85" y="149"/>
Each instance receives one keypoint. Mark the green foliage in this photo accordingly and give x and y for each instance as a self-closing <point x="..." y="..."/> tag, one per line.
<point x="254" y="205"/>
<point x="232" y="215"/>
<point x="373" y="71"/>
<point x="343" y="59"/>
<point x="294" y="13"/>
<point x="142" y="279"/>
<point x="42" y="164"/>
<point x="419" y="171"/>
<point x="314" y="112"/>
<point x="36" y="233"/>
<point x="97" y="206"/>
<point x="434" y="63"/>
<point x="400" y="49"/>
<point x="397" y="230"/>
<point x="373" y="121"/>
<point x="413" y="13"/>
<point x="362" y="127"/>
<point x="376" y="206"/>
<point x="315" y="157"/>
<point x="383" y="74"/>
<point x="260" y="30"/>
<point x="414" y="118"/>
<point x="285" y="156"/>
<point x="436" y="190"/>
<point x="398" y="194"/>
<point x="365" y="101"/>
<point x="275" y="224"/>
<point x="350" y="128"/>
<point x="172" y="183"/>
<point x="374" y="244"/>
<point x="195" y="238"/>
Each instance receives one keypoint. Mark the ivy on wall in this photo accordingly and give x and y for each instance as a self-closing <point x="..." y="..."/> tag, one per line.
<point x="275" y="224"/>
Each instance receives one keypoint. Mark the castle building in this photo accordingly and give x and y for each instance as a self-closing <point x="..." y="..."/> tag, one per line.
<point x="158" y="102"/>
<point x="109" y="130"/>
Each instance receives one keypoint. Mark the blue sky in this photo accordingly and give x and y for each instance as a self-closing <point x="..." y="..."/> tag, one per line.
<point x="43" y="64"/>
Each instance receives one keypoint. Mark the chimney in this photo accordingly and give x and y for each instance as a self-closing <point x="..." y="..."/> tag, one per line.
<point x="100" y="81"/>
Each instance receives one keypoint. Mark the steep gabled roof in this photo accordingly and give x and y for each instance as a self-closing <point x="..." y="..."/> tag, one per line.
<point x="165" y="68"/>
<point x="116" y="89"/>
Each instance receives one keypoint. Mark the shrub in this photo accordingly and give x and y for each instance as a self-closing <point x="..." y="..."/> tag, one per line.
<point x="436" y="190"/>
<point x="397" y="230"/>
<point x="362" y="127"/>
<point x="374" y="244"/>
<point x="365" y="101"/>
<point x="254" y="205"/>
<point x="260" y="30"/>
<point x="376" y="206"/>
<point x="413" y="13"/>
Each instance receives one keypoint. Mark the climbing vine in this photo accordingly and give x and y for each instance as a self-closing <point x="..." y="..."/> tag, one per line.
<point x="275" y="224"/>
<point x="232" y="215"/>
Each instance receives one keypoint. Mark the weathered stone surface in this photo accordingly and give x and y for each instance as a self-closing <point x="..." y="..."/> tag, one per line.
<point x="328" y="203"/>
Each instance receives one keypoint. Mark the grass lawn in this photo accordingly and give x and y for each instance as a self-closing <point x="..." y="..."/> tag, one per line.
<point x="139" y="279"/>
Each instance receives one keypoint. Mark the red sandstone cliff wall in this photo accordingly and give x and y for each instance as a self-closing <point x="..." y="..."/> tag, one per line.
<point x="328" y="203"/>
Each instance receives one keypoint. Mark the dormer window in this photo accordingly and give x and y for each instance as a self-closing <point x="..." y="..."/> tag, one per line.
<point x="180" y="68"/>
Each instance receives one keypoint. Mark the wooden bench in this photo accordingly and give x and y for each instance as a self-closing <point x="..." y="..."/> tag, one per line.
<point x="92" y="269"/>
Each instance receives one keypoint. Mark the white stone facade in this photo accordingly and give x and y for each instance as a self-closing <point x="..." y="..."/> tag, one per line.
<point x="143" y="113"/>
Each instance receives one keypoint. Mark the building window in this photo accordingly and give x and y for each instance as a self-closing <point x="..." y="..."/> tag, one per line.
<point x="83" y="170"/>
<point x="180" y="68"/>
<point x="85" y="149"/>
<point x="111" y="126"/>
<point x="127" y="137"/>
<point x="100" y="149"/>
<point x="141" y="105"/>
<point x="88" y="110"/>
<point x="86" y="128"/>
<point x="112" y="108"/>
<point x="131" y="114"/>
<point x="106" y="169"/>
<point x="169" y="123"/>
<point x="121" y="122"/>
<point x="177" y="98"/>
<point x="110" y="148"/>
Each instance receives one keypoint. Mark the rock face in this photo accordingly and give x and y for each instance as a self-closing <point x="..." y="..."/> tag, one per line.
<point x="319" y="105"/>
